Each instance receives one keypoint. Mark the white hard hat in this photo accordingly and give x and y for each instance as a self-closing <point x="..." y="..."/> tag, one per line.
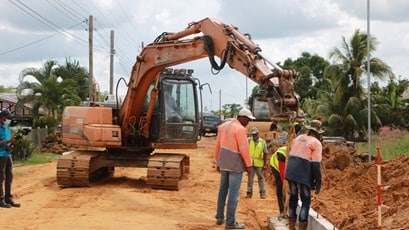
<point x="246" y="113"/>
<point x="254" y="130"/>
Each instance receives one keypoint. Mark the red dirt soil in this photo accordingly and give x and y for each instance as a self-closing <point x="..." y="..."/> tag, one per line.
<point x="348" y="198"/>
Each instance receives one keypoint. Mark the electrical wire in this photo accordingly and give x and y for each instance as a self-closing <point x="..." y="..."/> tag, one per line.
<point x="37" y="41"/>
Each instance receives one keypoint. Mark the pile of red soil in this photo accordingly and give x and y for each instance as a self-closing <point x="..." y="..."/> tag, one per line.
<point x="349" y="198"/>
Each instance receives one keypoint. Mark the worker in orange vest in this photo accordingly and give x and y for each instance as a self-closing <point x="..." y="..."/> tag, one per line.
<point x="232" y="155"/>
<point x="303" y="172"/>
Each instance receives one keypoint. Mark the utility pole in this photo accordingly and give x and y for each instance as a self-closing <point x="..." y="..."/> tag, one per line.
<point x="247" y="95"/>
<point x="368" y="71"/>
<point x="220" y="103"/>
<point x="91" y="70"/>
<point x="111" y="66"/>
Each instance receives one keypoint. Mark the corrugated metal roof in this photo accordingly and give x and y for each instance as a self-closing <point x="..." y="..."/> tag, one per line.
<point x="8" y="97"/>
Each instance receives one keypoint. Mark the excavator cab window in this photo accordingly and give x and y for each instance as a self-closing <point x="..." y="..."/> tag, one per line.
<point x="179" y="110"/>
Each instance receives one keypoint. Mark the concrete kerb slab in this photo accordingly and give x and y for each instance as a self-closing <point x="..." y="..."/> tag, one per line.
<point x="315" y="222"/>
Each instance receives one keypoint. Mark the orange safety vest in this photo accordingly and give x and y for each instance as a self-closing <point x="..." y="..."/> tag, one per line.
<point x="232" y="152"/>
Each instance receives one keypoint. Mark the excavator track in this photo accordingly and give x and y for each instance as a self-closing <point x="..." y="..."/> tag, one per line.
<point x="166" y="170"/>
<point x="73" y="169"/>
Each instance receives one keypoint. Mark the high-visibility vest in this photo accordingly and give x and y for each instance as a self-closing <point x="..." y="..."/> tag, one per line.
<point x="274" y="157"/>
<point x="232" y="154"/>
<point x="257" y="152"/>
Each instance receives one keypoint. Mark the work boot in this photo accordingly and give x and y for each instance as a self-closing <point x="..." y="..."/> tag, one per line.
<point x="291" y="223"/>
<point x="4" y="204"/>
<point x="302" y="225"/>
<point x="11" y="202"/>
<point x="249" y="195"/>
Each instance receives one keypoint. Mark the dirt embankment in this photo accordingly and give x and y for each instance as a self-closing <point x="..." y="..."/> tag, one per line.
<point x="349" y="198"/>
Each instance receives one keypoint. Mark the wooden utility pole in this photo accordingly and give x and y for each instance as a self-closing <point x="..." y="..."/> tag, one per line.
<point x="91" y="69"/>
<point x="111" y="65"/>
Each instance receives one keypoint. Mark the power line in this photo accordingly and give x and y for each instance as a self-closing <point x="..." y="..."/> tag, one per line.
<point x="131" y="21"/>
<point x="34" y="42"/>
<point x="38" y="20"/>
<point x="106" y="19"/>
<point x="69" y="10"/>
<point x="79" y="6"/>
<point x="50" y="22"/>
<point x="58" y="8"/>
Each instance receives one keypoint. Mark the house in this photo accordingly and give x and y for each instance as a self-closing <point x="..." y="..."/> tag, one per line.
<point x="9" y="101"/>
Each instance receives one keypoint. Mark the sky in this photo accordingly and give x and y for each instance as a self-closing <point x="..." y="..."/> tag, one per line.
<point x="35" y="31"/>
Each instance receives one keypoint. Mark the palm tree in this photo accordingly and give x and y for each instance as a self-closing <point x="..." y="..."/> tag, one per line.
<point x="389" y="102"/>
<point x="48" y="92"/>
<point x="347" y="112"/>
<point x="72" y="71"/>
<point x="353" y="62"/>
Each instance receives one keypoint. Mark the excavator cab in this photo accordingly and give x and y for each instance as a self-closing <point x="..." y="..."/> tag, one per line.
<point x="175" y="118"/>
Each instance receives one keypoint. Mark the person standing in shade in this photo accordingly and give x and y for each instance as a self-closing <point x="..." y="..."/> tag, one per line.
<point x="232" y="156"/>
<point x="258" y="153"/>
<point x="6" y="162"/>
<point x="303" y="172"/>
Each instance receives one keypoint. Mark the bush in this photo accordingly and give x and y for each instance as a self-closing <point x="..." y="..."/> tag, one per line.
<point x="22" y="150"/>
<point x="45" y="121"/>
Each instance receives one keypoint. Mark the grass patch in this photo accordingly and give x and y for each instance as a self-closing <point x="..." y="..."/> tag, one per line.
<point x="39" y="158"/>
<point x="392" y="144"/>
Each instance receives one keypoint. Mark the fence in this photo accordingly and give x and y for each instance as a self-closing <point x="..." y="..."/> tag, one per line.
<point x="37" y="136"/>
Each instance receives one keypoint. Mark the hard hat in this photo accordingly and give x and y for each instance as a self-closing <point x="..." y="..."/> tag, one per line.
<point x="254" y="130"/>
<point x="246" y="113"/>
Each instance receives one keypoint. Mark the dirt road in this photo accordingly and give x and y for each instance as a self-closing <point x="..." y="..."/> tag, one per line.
<point x="126" y="202"/>
<point x="348" y="198"/>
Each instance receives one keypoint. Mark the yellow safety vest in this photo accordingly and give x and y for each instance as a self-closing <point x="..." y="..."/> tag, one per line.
<point x="257" y="152"/>
<point x="274" y="157"/>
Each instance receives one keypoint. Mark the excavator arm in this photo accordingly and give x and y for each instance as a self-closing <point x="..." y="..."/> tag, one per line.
<point x="210" y="38"/>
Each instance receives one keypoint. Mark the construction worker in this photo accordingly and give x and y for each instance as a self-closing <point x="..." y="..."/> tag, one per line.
<point x="303" y="172"/>
<point x="277" y="162"/>
<point x="232" y="155"/>
<point x="258" y="154"/>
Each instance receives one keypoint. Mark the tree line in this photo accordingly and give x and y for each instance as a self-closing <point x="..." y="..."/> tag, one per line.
<point x="334" y="90"/>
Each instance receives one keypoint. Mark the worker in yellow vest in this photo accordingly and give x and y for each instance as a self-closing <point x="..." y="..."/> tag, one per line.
<point x="258" y="154"/>
<point x="277" y="162"/>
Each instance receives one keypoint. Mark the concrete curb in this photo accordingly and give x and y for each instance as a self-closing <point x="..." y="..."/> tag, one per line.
<point x="315" y="222"/>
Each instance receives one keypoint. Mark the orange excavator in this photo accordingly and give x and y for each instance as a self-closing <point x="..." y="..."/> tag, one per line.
<point x="127" y="135"/>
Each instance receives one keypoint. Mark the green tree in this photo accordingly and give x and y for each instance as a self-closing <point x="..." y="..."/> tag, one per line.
<point x="231" y="110"/>
<point x="78" y="76"/>
<point x="310" y="70"/>
<point x="48" y="91"/>
<point x="346" y="112"/>
<point x="6" y="89"/>
<point x="389" y="103"/>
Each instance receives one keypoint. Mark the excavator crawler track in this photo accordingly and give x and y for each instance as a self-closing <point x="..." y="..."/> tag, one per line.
<point x="166" y="170"/>
<point x="73" y="169"/>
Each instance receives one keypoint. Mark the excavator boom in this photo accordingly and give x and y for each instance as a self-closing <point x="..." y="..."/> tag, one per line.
<point x="213" y="38"/>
